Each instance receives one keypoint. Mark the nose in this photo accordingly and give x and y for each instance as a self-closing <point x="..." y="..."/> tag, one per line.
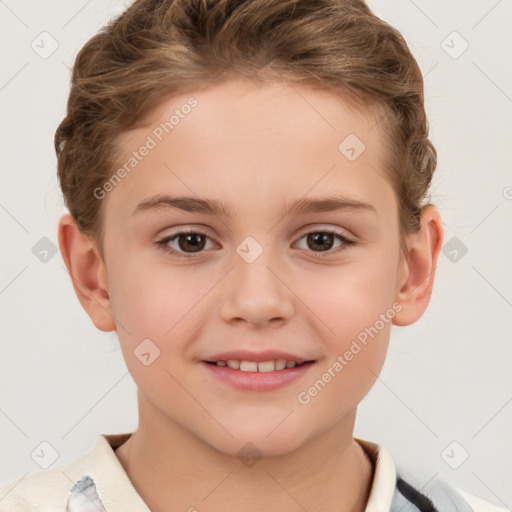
<point x="256" y="294"/>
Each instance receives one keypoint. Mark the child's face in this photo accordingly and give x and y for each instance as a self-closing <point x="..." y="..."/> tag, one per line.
<point x="255" y="149"/>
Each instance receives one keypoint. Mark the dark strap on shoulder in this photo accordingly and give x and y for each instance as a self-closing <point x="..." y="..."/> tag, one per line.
<point x="414" y="496"/>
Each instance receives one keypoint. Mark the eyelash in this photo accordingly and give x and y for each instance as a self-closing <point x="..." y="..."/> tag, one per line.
<point x="163" y="243"/>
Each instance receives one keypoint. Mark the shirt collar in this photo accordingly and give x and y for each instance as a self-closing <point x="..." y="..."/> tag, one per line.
<point x="118" y="494"/>
<point x="384" y="479"/>
<point x="113" y="485"/>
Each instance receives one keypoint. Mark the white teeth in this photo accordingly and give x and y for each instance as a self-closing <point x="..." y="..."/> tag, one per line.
<point x="267" y="366"/>
<point x="280" y="364"/>
<point x="262" y="367"/>
<point x="248" y="366"/>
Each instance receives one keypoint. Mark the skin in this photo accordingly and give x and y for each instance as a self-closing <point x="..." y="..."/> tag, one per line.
<point x="255" y="148"/>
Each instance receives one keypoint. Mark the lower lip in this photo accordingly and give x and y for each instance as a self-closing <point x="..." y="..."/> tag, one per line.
<point x="258" y="381"/>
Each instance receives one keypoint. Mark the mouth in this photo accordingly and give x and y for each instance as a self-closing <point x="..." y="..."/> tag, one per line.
<point x="261" y="376"/>
<point x="260" y="367"/>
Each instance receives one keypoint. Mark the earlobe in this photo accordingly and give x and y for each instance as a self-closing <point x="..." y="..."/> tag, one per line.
<point x="87" y="272"/>
<point x="419" y="270"/>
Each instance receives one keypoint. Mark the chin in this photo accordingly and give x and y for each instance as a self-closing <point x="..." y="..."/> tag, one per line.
<point x="251" y="444"/>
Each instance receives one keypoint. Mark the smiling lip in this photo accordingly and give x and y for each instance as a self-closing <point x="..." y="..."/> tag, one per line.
<point x="258" y="357"/>
<point x="257" y="381"/>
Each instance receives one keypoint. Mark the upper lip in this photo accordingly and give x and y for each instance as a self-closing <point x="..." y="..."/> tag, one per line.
<point x="258" y="357"/>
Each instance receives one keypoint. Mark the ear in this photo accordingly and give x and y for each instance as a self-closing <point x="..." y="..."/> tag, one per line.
<point x="87" y="271"/>
<point x="419" y="268"/>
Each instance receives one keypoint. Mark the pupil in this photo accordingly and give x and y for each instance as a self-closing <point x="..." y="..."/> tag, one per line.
<point x="320" y="238"/>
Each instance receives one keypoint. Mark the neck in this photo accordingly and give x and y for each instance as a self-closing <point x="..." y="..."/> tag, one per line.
<point x="168" y="465"/>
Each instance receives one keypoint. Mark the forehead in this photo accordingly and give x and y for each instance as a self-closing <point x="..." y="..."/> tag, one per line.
<point x="251" y="146"/>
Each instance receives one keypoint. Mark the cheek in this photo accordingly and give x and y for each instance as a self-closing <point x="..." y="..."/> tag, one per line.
<point x="359" y="313"/>
<point x="149" y="298"/>
<point x="355" y="306"/>
<point x="159" y="304"/>
<point x="351" y="297"/>
<point x="152" y="315"/>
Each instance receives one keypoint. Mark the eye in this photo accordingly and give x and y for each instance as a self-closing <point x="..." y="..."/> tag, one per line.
<point x="323" y="240"/>
<point x="187" y="241"/>
<point x="185" y="244"/>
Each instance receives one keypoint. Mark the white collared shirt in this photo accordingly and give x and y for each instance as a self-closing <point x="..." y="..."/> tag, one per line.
<point x="97" y="482"/>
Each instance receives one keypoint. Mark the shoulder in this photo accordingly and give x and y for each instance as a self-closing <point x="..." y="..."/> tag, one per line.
<point x="77" y="485"/>
<point x="43" y="491"/>
<point x="438" y="495"/>
<point x="479" y="504"/>
<point x="398" y="488"/>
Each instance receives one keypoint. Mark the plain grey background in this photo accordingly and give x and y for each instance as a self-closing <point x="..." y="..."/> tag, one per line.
<point x="442" y="404"/>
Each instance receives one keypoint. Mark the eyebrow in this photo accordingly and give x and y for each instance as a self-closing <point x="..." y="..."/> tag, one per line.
<point x="212" y="207"/>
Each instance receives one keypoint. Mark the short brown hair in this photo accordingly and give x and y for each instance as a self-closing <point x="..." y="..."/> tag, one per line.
<point x="159" y="48"/>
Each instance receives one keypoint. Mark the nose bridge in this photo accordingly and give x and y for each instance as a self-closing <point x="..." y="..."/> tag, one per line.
<point x="256" y="292"/>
